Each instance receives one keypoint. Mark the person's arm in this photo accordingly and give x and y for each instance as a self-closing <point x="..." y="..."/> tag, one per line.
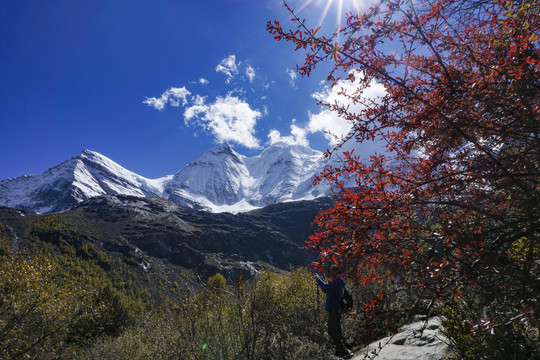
<point x="326" y="286"/>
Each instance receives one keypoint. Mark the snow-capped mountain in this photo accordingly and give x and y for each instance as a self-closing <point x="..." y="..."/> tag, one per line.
<point x="223" y="180"/>
<point x="82" y="177"/>
<point x="219" y="180"/>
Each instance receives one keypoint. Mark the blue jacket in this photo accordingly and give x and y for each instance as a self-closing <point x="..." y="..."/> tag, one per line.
<point x="334" y="293"/>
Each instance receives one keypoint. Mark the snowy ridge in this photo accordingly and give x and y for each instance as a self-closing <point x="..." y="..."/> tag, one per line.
<point x="220" y="180"/>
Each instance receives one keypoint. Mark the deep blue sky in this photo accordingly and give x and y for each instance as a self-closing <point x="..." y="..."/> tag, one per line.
<point x="82" y="74"/>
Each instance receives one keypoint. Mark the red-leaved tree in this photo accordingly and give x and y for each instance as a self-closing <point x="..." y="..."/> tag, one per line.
<point x="452" y="205"/>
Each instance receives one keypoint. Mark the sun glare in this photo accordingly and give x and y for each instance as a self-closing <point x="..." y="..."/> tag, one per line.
<point x="324" y="9"/>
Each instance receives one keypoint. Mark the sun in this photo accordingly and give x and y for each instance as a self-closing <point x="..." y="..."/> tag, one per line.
<point x="325" y="10"/>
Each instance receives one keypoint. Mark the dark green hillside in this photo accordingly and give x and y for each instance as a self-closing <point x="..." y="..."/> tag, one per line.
<point x="158" y="248"/>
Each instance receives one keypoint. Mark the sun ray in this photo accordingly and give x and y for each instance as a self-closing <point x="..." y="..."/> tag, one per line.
<point x="304" y="5"/>
<point x="336" y="9"/>
<point x="339" y="13"/>
<point x="324" y="12"/>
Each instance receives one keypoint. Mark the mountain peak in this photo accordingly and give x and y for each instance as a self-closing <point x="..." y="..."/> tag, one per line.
<point x="94" y="157"/>
<point x="223" y="148"/>
<point x="223" y="145"/>
<point x="280" y="144"/>
<point x="222" y="152"/>
<point x="88" y="152"/>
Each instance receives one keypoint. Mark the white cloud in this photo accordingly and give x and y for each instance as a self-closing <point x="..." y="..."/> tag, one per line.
<point x="204" y="81"/>
<point x="229" y="119"/>
<point x="197" y="107"/>
<point x="330" y="122"/>
<point x="250" y="73"/>
<point x="172" y="95"/>
<point x="199" y="100"/>
<point x="297" y="137"/>
<point x="292" y="76"/>
<point x="229" y="67"/>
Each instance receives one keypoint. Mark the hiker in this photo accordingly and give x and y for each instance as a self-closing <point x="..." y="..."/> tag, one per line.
<point x="334" y="294"/>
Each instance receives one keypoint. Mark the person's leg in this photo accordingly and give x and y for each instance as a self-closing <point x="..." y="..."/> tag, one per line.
<point x="334" y="330"/>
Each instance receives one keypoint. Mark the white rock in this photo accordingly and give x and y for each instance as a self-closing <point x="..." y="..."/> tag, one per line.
<point x="421" y="340"/>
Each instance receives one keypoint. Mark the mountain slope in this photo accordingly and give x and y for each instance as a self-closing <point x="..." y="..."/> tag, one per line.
<point x="285" y="172"/>
<point x="149" y="233"/>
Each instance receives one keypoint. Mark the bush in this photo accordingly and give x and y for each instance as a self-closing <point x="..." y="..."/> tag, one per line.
<point x="104" y="314"/>
<point x="41" y="313"/>
<point x="288" y="317"/>
<point x="33" y="310"/>
<point x="507" y="341"/>
<point x="274" y="316"/>
<point x="217" y="282"/>
<point x="154" y="337"/>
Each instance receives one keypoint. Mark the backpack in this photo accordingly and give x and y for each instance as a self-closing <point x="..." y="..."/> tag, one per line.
<point x="346" y="301"/>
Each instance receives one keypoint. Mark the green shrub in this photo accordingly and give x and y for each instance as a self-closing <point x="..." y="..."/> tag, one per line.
<point x="273" y="316"/>
<point x="217" y="282"/>
<point x="105" y="315"/>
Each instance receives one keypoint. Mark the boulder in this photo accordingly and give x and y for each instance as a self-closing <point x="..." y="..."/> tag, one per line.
<point x="420" y="340"/>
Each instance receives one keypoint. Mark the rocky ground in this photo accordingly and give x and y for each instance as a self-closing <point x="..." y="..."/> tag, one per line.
<point x="420" y="340"/>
